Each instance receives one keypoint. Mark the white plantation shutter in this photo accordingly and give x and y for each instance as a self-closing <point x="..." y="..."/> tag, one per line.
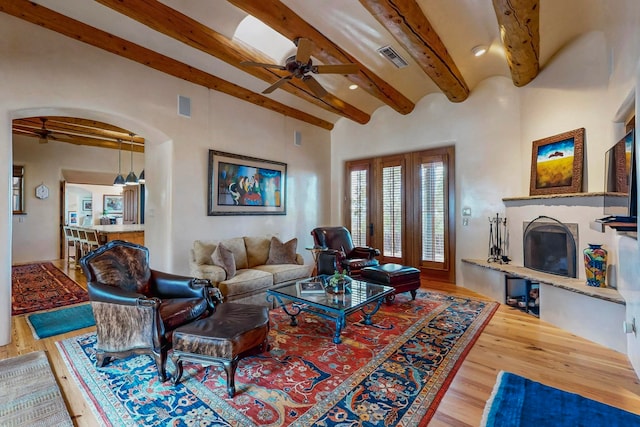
<point x="432" y="191"/>
<point x="359" y="192"/>
<point x="392" y="211"/>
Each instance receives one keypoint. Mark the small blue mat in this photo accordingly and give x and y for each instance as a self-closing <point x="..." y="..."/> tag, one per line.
<point x="520" y="402"/>
<point x="61" y="321"/>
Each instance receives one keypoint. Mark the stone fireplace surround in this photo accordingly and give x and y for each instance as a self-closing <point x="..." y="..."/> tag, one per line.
<point x="596" y="314"/>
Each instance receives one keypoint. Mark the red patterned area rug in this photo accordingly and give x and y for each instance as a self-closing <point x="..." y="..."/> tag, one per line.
<point x="36" y="287"/>
<point x="394" y="372"/>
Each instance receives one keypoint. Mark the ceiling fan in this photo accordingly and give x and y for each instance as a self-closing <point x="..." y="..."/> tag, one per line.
<point x="44" y="133"/>
<point x="300" y="65"/>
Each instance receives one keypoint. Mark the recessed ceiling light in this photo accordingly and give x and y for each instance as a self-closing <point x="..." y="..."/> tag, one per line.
<point x="353" y="86"/>
<point x="479" y="50"/>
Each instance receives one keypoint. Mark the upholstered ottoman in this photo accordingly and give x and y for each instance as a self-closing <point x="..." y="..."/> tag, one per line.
<point x="400" y="277"/>
<point x="232" y="332"/>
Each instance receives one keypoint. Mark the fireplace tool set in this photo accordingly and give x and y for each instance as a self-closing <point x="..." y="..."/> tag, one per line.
<point x="498" y="240"/>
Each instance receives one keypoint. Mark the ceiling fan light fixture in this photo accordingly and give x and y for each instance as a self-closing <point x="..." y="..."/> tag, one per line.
<point x="479" y="50"/>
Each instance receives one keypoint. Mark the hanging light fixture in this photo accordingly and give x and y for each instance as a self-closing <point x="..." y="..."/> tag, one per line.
<point x="141" y="177"/>
<point x="119" y="181"/>
<point x="132" y="179"/>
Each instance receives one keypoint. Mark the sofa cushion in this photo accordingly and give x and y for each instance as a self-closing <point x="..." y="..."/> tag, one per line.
<point x="282" y="253"/>
<point x="223" y="257"/>
<point x="257" y="250"/>
<point x="245" y="282"/>
<point x="236" y="246"/>
<point x="212" y="272"/>
<point x="202" y="251"/>
<point x="285" y="272"/>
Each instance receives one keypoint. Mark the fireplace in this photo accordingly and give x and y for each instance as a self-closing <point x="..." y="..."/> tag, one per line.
<point x="550" y="246"/>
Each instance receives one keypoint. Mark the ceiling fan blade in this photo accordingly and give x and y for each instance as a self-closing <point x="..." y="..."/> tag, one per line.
<point x="261" y="64"/>
<point x="315" y="87"/>
<point x="303" y="54"/>
<point x="336" y="69"/>
<point x="277" y="84"/>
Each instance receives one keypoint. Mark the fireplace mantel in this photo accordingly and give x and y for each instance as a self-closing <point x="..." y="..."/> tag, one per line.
<point x="566" y="283"/>
<point x="591" y="198"/>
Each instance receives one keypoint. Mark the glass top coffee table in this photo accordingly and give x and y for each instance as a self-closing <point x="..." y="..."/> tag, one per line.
<point x="364" y="296"/>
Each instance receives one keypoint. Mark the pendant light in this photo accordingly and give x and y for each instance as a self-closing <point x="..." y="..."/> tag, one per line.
<point x="119" y="181"/>
<point x="141" y="177"/>
<point x="132" y="179"/>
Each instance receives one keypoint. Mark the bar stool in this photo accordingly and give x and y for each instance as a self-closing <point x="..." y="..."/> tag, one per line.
<point x="71" y="245"/>
<point x="75" y="232"/>
<point x="93" y="242"/>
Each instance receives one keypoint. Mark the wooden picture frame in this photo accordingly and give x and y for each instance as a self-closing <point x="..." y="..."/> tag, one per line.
<point x="242" y="185"/>
<point x="112" y="203"/>
<point x="557" y="163"/>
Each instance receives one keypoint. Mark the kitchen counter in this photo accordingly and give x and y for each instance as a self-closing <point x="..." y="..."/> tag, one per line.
<point x="133" y="233"/>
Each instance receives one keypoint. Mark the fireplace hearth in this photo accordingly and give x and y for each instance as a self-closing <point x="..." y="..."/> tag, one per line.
<point x="550" y="246"/>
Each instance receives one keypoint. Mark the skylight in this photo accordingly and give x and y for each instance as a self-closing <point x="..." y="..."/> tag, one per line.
<point x="258" y="35"/>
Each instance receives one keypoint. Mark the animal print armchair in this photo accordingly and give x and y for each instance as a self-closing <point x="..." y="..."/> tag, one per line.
<point x="136" y="308"/>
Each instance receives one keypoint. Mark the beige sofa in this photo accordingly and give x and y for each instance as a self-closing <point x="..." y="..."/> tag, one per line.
<point x="255" y="271"/>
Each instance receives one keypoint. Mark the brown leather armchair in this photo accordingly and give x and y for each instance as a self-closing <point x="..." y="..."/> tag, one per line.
<point x="339" y="253"/>
<point x="136" y="308"/>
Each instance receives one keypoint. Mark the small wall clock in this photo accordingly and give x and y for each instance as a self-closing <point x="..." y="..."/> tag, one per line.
<point x="42" y="191"/>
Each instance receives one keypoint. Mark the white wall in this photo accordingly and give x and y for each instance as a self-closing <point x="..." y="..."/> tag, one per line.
<point x="43" y="73"/>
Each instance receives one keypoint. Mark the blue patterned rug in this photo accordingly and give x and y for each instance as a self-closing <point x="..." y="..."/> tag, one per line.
<point x="394" y="372"/>
<point x="520" y="402"/>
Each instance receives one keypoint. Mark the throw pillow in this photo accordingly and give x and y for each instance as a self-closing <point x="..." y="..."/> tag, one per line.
<point x="257" y="250"/>
<point x="202" y="251"/>
<point x="236" y="245"/>
<point x="282" y="253"/>
<point x="223" y="257"/>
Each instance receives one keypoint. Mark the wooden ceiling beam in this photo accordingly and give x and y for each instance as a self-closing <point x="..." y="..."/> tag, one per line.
<point x="282" y="19"/>
<point x="172" y="23"/>
<point x="80" y="140"/>
<point x="519" y="22"/>
<point x="407" y="23"/>
<point x="66" y="125"/>
<point x="39" y="15"/>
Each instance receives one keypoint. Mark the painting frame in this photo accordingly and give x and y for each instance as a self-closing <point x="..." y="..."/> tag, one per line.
<point x="73" y="218"/>
<point x="112" y="203"/>
<point x="243" y="185"/>
<point x="87" y="205"/>
<point x="557" y="164"/>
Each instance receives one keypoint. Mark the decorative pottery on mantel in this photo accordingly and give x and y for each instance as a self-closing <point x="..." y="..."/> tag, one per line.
<point x="595" y="265"/>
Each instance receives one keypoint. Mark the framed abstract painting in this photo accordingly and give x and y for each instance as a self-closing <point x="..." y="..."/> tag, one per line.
<point x="243" y="185"/>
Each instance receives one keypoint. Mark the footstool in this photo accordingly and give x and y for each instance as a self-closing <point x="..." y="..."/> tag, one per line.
<point x="232" y="332"/>
<point x="401" y="277"/>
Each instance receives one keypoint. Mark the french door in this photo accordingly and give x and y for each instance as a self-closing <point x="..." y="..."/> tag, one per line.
<point x="404" y="205"/>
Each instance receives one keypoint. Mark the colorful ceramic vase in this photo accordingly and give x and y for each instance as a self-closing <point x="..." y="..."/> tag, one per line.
<point x="595" y="264"/>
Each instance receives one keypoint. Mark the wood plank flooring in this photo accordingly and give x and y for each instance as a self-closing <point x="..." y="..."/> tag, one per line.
<point x="512" y="341"/>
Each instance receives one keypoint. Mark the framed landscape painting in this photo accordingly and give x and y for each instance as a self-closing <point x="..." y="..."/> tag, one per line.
<point x="242" y="185"/>
<point x="112" y="204"/>
<point x="557" y="163"/>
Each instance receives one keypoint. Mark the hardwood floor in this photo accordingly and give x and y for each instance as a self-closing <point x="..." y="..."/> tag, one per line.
<point x="512" y="341"/>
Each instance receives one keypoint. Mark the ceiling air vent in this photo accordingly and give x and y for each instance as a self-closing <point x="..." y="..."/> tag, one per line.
<point x="393" y="56"/>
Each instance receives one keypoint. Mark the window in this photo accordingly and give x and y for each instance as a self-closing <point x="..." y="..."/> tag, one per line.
<point x="17" y="196"/>
<point x="359" y="196"/>
<point x="392" y="211"/>
<point x="433" y="212"/>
